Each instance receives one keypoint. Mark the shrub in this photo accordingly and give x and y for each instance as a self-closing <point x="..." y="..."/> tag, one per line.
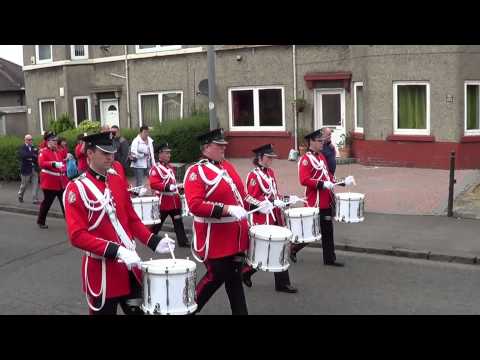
<point x="62" y="124"/>
<point x="9" y="161"/>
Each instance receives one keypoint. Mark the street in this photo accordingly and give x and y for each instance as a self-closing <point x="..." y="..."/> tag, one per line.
<point x="41" y="275"/>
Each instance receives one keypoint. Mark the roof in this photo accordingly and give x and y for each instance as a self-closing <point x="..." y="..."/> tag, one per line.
<point x="11" y="76"/>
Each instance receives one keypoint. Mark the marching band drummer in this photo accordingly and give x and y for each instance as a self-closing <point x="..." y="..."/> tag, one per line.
<point x="262" y="185"/>
<point x="162" y="180"/>
<point x="216" y="197"/>
<point x="314" y="174"/>
<point x="101" y="220"/>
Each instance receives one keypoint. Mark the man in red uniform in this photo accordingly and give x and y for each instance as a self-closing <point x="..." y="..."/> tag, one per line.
<point x="262" y="186"/>
<point x="53" y="178"/>
<point x="215" y="196"/>
<point x="101" y="220"/>
<point x="80" y="154"/>
<point x="162" y="180"/>
<point x="314" y="174"/>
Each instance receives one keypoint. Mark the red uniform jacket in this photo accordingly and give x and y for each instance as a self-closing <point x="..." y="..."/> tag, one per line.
<point x="255" y="190"/>
<point x="161" y="176"/>
<point x="48" y="180"/>
<point x="103" y="240"/>
<point x="117" y="166"/>
<point x="310" y="175"/>
<point x="81" y="159"/>
<point x="225" y="238"/>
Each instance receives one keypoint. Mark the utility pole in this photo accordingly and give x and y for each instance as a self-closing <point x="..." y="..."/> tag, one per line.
<point x="127" y="85"/>
<point x="212" y="111"/>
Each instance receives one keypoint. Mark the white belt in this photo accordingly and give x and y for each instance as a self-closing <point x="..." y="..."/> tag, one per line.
<point x="51" y="172"/>
<point x="93" y="256"/>
<point x="168" y="193"/>
<point x="206" y="220"/>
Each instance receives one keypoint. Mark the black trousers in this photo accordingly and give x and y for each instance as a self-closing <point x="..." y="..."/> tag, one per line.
<point x="326" y="229"/>
<point x="223" y="271"/>
<point x="282" y="278"/>
<point x="176" y="217"/>
<point x="48" y="199"/>
<point x="130" y="304"/>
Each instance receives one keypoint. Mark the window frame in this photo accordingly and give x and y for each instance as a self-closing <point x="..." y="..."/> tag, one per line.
<point x="75" y="98"/>
<point x="160" y="103"/>
<point x="398" y="131"/>
<point x="37" y="55"/>
<point x="72" y="53"/>
<point x="466" y="132"/>
<point x="357" y="128"/>
<point x="156" y="48"/>
<point x="40" y="102"/>
<point x="256" y="109"/>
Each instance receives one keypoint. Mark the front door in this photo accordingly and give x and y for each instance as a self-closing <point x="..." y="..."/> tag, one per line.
<point x="329" y="111"/>
<point x="109" y="110"/>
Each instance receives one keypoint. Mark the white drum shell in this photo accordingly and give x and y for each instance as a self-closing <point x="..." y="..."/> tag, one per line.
<point x="269" y="248"/>
<point x="304" y="223"/>
<point x="169" y="287"/>
<point x="349" y="207"/>
<point x="147" y="209"/>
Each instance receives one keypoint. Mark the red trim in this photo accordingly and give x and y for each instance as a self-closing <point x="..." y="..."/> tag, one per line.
<point x="470" y="139"/>
<point x="257" y="133"/>
<point x="345" y="76"/>
<point x="415" y="138"/>
<point x="358" y="136"/>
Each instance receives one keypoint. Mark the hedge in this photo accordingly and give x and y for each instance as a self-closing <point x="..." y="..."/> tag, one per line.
<point x="180" y="135"/>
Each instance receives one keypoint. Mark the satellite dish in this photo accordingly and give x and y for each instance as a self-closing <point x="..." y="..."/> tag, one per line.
<point x="203" y="87"/>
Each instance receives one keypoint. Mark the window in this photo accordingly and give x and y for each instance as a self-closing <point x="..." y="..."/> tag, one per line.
<point x="79" y="52"/>
<point x="157" y="107"/>
<point x="47" y="113"/>
<point x="257" y="108"/>
<point x="43" y="53"/>
<point x="358" y="106"/>
<point x="472" y="102"/>
<point x="81" y="106"/>
<point x="152" y="48"/>
<point x="411" y="107"/>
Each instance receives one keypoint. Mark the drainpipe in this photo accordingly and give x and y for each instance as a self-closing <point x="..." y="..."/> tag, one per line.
<point x="129" y="122"/>
<point x="294" y="64"/>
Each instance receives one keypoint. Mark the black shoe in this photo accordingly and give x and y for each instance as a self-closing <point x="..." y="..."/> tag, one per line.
<point x="287" y="288"/>
<point x="20" y="199"/>
<point x="293" y="257"/>
<point x="335" y="263"/>
<point x="43" y="226"/>
<point x="247" y="278"/>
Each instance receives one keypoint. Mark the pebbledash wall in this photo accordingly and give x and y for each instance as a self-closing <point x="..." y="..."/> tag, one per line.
<point x="378" y="67"/>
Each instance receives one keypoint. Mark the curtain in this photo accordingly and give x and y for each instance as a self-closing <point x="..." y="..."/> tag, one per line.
<point x="44" y="52"/>
<point x="472" y="107"/>
<point x="359" y="106"/>
<point x="412" y="106"/>
<point x="48" y="113"/>
<point x="149" y="106"/>
<point x="171" y="106"/>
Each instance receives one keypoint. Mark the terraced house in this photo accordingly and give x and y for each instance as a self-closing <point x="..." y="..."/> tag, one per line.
<point x="400" y="105"/>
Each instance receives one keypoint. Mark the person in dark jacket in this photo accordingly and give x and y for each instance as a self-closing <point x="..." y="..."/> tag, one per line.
<point x="28" y="154"/>
<point x="122" y="146"/>
<point x="329" y="150"/>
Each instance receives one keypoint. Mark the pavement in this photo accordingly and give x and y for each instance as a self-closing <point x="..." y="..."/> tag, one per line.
<point x="405" y="210"/>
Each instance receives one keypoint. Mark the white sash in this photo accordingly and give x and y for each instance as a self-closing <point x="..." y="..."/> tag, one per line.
<point x="318" y="165"/>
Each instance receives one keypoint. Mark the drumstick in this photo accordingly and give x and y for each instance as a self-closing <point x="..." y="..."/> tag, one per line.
<point x="170" y="247"/>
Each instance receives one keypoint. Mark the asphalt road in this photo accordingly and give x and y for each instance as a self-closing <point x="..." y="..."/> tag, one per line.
<point x="40" y="274"/>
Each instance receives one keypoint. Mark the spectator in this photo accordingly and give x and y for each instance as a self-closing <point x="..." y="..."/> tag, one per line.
<point x="28" y="154"/>
<point x="121" y="144"/>
<point x="329" y="150"/>
<point x="142" y="155"/>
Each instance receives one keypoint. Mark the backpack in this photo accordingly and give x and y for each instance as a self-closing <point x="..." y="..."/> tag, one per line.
<point x="72" y="170"/>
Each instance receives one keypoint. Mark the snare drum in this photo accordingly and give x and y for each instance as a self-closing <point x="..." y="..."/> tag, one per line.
<point x="269" y="248"/>
<point x="169" y="287"/>
<point x="147" y="209"/>
<point x="349" y="207"/>
<point x="304" y="223"/>
<point x="185" y="211"/>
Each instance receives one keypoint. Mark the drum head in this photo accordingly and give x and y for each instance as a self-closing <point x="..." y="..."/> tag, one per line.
<point x="303" y="211"/>
<point x="145" y="199"/>
<point x="273" y="232"/>
<point x="173" y="266"/>
<point x="349" y="195"/>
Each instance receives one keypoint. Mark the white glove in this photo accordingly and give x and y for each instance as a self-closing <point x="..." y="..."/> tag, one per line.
<point x="294" y="199"/>
<point x="265" y="206"/>
<point x="58" y="164"/>
<point x="237" y="212"/>
<point x="163" y="246"/>
<point x="142" y="191"/>
<point x="328" y="185"/>
<point x="350" y="180"/>
<point x="129" y="257"/>
<point x="279" y="203"/>
<point x="173" y="187"/>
